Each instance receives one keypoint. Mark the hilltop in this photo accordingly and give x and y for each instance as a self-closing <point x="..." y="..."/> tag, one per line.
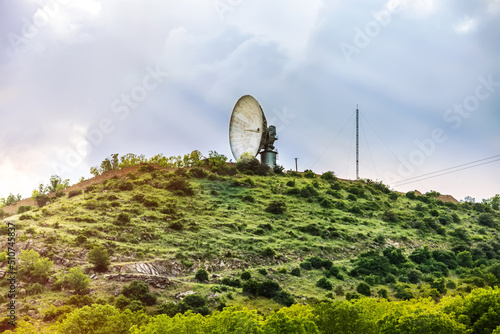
<point x="243" y="235"/>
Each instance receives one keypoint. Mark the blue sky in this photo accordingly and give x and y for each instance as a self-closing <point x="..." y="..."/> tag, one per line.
<point x="82" y="79"/>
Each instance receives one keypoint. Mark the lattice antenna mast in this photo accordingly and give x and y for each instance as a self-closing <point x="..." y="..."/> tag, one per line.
<point x="357" y="142"/>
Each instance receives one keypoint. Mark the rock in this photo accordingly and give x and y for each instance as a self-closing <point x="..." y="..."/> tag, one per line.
<point x="93" y="276"/>
<point x="181" y="295"/>
<point x="58" y="303"/>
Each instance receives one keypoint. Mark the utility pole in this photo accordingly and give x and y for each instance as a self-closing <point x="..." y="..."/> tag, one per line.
<point x="357" y="142"/>
<point x="296" y="165"/>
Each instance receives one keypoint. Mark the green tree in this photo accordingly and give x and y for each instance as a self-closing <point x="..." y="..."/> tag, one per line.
<point x="297" y="319"/>
<point x="33" y="268"/>
<point x="364" y="289"/>
<point x="77" y="280"/>
<point x="99" y="257"/>
<point x="57" y="184"/>
<point x="422" y="322"/>
<point x="100" y="319"/>
<point x="464" y="259"/>
<point x="201" y="275"/>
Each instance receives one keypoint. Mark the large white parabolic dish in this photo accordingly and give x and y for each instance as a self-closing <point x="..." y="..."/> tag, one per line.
<point x="247" y="127"/>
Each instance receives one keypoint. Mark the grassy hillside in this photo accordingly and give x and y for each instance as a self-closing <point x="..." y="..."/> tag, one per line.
<point x="265" y="241"/>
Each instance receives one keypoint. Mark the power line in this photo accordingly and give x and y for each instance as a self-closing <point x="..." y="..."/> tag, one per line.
<point x="421" y="177"/>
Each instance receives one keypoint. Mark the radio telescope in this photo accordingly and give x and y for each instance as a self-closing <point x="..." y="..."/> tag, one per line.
<point x="249" y="133"/>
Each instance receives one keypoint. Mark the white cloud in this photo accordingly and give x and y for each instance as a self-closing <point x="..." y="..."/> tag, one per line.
<point x="465" y="25"/>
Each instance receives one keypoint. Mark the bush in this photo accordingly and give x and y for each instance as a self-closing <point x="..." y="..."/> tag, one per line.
<point x="268" y="251"/>
<point x="180" y="186"/>
<point x="268" y="289"/>
<point x="306" y="265"/>
<point x="99" y="257"/>
<point x="248" y="164"/>
<point x="276" y="207"/>
<point x="329" y="176"/>
<point x="486" y="219"/>
<point x="122" y="219"/>
<point x="250" y="287"/>
<point x="76" y="280"/>
<point x="295" y="272"/>
<point x="34" y="289"/>
<point x="284" y="298"/>
<point x="364" y="289"/>
<point x="411" y="195"/>
<point x="246" y="275"/>
<point x="125" y="186"/>
<point x="24" y="208"/>
<point x="137" y="290"/>
<point x="324" y="283"/>
<point x="390" y="216"/>
<point x="33" y="268"/>
<point x="231" y="282"/>
<point x="262" y="271"/>
<point x="464" y="259"/>
<point x="198" y="173"/>
<point x="352" y="296"/>
<point x="382" y="293"/>
<point x="201" y="275"/>
<point x="74" y="193"/>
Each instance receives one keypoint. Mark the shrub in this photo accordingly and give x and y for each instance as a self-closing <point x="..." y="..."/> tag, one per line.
<point x="464" y="259"/>
<point x="24" y="208"/>
<point x="74" y="193"/>
<point x="324" y="283"/>
<point x="306" y="265"/>
<point x="198" y="173"/>
<point x="34" y="268"/>
<point x="486" y="219"/>
<point x="420" y="255"/>
<point x="246" y="275"/>
<point x="364" y="289"/>
<point x="268" y="251"/>
<point x="180" y="186"/>
<point x="262" y="271"/>
<point x="34" y="289"/>
<point x="99" y="257"/>
<point x="295" y="272"/>
<point x="352" y="296"/>
<point x="122" y="219"/>
<point x="390" y="216"/>
<point x="316" y="262"/>
<point x="231" y="282"/>
<point x="126" y="186"/>
<point x="284" y="298"/>
<point x="250" y="287"/>
<point x="414" y="275"/>
<point x="201" y="275"/>
<point x="276" y="207"/>
<point x="137" y="290"/>
<point x="411" y="195"/>
<point x="309" y="174"/>
<point x="121" y="302"/>
<point x="329" y="176"/>
<point x="268" y="289"/>
<point x="382" y="293"/>
<point x="196" y="303"/>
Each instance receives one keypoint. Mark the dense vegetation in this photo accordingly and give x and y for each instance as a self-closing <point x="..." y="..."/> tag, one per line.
<point x="255" y="249"/>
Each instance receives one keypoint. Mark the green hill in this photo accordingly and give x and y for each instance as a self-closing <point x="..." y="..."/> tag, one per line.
<point x="166" y="240"/>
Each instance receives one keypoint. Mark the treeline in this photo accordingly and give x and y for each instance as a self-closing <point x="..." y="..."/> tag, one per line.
<point x="478" y="312"/>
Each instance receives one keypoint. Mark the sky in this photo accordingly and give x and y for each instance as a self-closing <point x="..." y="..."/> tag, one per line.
<point x="83" y="79"/>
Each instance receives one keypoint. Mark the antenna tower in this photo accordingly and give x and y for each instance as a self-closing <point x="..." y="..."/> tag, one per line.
<point x="357" y="142"/>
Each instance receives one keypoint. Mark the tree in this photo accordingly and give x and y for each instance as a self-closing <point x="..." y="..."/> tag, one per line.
<point x="464" y="259"/>
<point x="39" y="195"/>
<point x="99" y="257"/>
<point x="100" y="319"/>
<point x="201" y="275"/>
<point x="57" y="184"/>
<point x="77" y="280"/>
<point x="33" y="268"/>
<point x="364" y="289"/>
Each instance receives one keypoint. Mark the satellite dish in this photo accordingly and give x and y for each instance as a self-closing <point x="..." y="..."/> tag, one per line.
<point x="249" y="133"/>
